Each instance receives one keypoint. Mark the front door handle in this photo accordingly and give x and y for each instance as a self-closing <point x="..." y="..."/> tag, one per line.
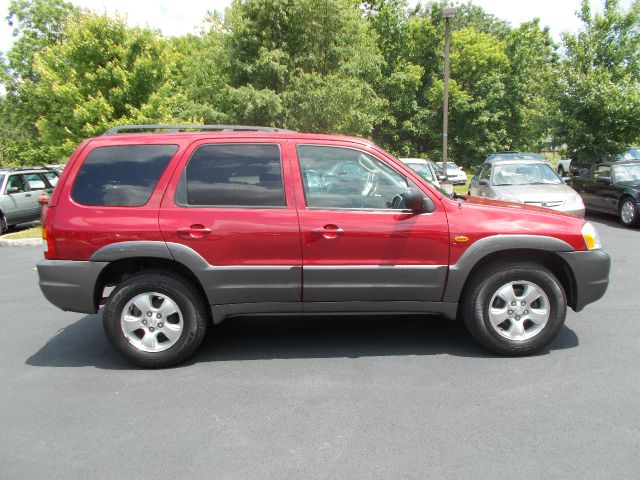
<point x="194" y="231"/>
<point x="328" y="231"/>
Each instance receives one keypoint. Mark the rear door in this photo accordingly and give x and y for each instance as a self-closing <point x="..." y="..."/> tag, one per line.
<point x="232" y="203"/>
<point x="357" y="244"/>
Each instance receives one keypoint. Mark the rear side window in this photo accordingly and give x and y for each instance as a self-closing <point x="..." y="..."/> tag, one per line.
<point x="233" y="176"/>
<point x="123" y="175"/>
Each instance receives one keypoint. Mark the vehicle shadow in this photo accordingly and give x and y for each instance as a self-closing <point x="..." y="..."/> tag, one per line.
<point x="264" y="338"/>
<point x="606" y="219"/>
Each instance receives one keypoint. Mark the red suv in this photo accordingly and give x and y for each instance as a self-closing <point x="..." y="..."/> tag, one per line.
<point x="173" y="230"/>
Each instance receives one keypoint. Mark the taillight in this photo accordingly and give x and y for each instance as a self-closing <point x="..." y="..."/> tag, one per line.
<point x="47" y="235"/>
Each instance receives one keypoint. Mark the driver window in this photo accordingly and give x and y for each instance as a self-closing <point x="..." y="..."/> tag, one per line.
<point x="336" y="177"/>
<point x="604" y="171"/>
<point x="18" y="182"/>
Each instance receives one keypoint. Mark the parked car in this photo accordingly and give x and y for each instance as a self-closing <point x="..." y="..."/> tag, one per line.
<point x="455" y="174"/>
<point x="19" y="192"/>
<point x="580" y="167"/>
<point x="172" y="231"/>
<point x="532" y="182"/>
<point x="612" y="187"/>
<point x="425" y="168"/>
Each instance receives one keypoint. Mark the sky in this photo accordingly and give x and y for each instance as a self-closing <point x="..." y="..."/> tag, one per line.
<point x="180" y="17"/>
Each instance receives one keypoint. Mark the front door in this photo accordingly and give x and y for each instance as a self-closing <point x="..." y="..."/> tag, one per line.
<point x="19" y="199"/>
<point x="231" y="204"/>
<point x="358" y="244"/>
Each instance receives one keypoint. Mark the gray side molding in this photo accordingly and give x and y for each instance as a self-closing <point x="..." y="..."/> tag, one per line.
<point x="118" y="251"/>
<point x="459" y="272"/>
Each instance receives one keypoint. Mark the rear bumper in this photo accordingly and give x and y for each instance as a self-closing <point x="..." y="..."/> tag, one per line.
<point x="70" y="285"/>
<point x="591" y="272"/>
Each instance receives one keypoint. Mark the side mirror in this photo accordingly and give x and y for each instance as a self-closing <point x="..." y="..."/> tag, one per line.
<point x="442" y="178"/>
<point x="413" y="199"/>
<point x="567" y="180"/>
<point x="484" y="182"/>
<point x="604" y="180"/>
<point x="11" y="190"/>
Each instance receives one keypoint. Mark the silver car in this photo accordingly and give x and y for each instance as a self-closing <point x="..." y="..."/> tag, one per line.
<point x="532" y="182"/>
<point x="19" y="192"/>
<point x="425" y="168"/>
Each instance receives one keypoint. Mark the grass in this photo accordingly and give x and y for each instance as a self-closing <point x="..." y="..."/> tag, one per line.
<point x="33" y="232"/>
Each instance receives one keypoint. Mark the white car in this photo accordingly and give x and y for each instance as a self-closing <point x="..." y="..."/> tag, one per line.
<point x="425" y="168"/>
<point x="456" y="175"/>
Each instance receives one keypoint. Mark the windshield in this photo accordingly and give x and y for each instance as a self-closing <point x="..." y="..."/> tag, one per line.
<point x="422" y="169"/>
<point x="1" y="180"/>
<point x="623" y="173"/>
<point x="633" y="153"/>
<point x="525" y="174"/>
<point x="517" y="156"/>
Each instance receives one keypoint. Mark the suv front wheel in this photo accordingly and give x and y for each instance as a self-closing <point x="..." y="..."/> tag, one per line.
<point x="514" y="308"/>
<point x="155" y="319"/>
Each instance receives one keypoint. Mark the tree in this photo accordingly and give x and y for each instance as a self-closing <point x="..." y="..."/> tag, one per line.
<point x="599" y="88"/>
<point x="530" y="82"/>
<point x="104" y="73"/>
<point x="37" y="24"/>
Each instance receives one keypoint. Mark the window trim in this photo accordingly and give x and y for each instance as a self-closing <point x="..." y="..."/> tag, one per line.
<point x="88" y="153"/>
<point x="394" y="211"/>
<point x="182" y="178"/>
<point x="26" y="183"/>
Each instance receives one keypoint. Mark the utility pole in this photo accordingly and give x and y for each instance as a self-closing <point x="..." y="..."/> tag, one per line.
<point x="448" y="14"/>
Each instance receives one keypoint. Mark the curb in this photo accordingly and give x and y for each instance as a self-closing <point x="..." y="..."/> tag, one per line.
<point x="21" y="242"/>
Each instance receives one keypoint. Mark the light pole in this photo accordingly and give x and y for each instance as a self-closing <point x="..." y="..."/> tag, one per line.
<point x="448" y="14"/>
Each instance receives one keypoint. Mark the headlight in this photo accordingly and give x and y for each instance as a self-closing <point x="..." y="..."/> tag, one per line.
<point x="591" y="237"/>
<point x="574" y="202"/>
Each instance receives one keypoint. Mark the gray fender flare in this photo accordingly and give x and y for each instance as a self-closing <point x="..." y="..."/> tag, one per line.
<point x="459" y="272"/>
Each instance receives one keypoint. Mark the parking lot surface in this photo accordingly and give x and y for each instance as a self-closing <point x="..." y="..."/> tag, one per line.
<point x="322" y="397"/>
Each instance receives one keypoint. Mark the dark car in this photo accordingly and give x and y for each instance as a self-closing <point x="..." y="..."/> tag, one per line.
<point x="612" y="187"/>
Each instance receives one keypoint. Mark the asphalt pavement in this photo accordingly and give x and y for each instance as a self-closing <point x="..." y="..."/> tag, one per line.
<point x="396" y="397"/>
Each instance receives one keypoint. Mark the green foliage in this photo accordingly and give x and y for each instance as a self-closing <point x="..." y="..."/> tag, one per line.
<point x="105" y="73"/>
<point x="370" y="68"/>
<point x="599" y="83"/>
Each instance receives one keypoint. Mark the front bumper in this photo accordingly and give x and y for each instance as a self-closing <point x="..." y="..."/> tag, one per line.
<point x="591" y="273"/>
<point x="70" y="285"/>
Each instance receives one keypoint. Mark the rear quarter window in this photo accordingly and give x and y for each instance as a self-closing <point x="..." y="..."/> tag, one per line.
<point x="122" y="175"/>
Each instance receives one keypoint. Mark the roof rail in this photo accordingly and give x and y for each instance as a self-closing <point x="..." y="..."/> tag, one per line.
<point x="181" y="128"/>
<point x="20" y="169"/>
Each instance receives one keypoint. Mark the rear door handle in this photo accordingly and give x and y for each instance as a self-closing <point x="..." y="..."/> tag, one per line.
<point x="328" y="231"/>
<point x="194" y="231"/>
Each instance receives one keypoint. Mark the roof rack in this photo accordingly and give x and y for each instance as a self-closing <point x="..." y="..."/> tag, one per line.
<point x="21" y="169"/>
<point x="182" y="128"/>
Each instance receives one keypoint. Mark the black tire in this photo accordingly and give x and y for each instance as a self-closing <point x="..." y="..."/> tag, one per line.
<point x="630" y="203"/>
<point x="3" y="224"/>
<point x="178" y="289"/>
<point x="485" y="284"/>
<point x="561" y="171"/>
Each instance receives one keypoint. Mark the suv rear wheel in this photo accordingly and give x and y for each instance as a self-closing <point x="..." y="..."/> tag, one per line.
<point x="3" y="224"/>
<point x="155" y="319"/>
<point x="515" y="308"/>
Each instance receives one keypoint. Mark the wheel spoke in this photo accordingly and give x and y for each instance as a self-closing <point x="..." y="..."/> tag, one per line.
<point x="131" y="323"/>
<point x="172" y="331"/>
<point x="539" y="316"/>
<point x="143" y="303"/>
<point x="531" y="293"/>
<point x="498" y="315"/>
<point x="507" y="293"/>
<point x="168" y="307"/>
<point x="149" y="341"/>
<point x="517" y="329"/>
